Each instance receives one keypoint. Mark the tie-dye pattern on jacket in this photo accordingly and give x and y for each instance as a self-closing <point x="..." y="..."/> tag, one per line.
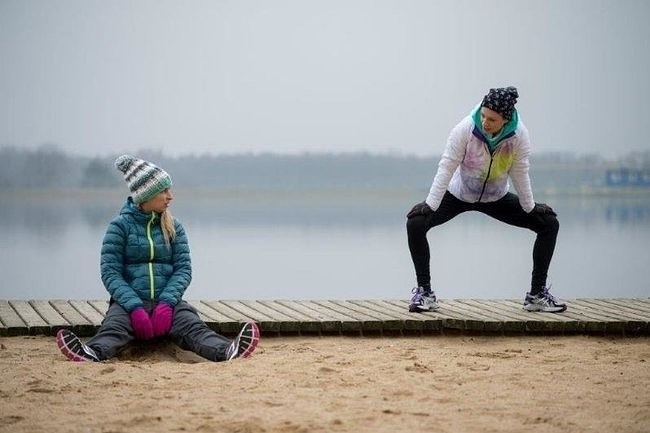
<point x="472" y="174"/>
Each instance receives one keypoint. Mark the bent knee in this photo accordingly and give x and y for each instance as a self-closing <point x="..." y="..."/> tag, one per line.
<point x="551" y="224"/>
<point x="416" y="224"/>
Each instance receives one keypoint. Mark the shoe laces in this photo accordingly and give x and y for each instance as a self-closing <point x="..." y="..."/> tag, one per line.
<point x="420" y="292"/>
<point x="546" y="294"/>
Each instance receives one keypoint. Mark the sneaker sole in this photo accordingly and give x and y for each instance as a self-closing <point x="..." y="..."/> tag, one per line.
<point x="252" y="344"/>
<point x="541" y="309"/>
<point x="65" y="349"/>
<point x="418" y="309"/>
<point x="255" y="338"/>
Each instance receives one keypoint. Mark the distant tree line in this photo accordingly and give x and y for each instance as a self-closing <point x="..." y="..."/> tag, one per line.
<point x="49" y="166"/>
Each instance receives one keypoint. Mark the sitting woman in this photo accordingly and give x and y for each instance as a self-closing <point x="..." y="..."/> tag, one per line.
<point x="146" y="268"/>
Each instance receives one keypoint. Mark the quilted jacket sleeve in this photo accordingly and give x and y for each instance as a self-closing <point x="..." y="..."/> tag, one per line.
<point x="112" y="264"/>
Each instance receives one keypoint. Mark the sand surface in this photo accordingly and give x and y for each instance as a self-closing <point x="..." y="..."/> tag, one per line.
<point x="336" y="384"/>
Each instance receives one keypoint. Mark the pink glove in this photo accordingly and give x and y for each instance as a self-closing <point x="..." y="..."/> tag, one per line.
<point x="161" y="319"/>
<point x="141" y="324"/>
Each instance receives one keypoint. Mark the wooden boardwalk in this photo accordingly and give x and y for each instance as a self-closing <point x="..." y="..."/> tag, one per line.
<point x="356" y="317"/>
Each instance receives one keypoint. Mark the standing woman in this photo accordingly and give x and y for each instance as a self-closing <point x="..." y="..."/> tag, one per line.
<point x="485" y="151"/>
<point x="146" y="268"/>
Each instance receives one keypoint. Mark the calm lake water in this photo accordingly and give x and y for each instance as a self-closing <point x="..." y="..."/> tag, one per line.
<point x="326" y="245"/>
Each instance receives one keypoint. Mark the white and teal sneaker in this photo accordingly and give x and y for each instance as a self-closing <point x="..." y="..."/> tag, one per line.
<point x="423" y="300"/>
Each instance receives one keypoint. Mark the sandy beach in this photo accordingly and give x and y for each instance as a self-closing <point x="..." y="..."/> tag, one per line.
<point x="336" y="384"/>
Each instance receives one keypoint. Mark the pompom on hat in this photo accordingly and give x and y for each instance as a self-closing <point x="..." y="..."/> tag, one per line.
<point x="502" y="100"/>
<point x="145" y="180"/>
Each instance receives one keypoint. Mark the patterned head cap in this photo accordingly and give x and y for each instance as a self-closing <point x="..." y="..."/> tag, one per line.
<point x="501" y="100"/>
<point x="145" y="180"/>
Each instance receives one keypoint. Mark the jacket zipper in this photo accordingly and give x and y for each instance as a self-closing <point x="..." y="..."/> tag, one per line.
<point x="151" y="255"/>
<point x="487" y="176"/>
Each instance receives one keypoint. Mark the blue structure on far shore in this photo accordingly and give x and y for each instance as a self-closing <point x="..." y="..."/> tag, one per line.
<point x="628" y="177"/>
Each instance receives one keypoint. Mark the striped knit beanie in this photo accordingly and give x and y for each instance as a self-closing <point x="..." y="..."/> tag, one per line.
<point x="501" y="100"/>
<point x="145" y="180"/>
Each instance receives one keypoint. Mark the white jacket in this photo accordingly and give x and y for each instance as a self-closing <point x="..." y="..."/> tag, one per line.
<point x="468" y="171"/>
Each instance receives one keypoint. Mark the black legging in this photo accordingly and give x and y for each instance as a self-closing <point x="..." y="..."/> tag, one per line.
<point x="507" y="210"/>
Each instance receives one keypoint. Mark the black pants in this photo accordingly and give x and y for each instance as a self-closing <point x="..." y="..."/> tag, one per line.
<point x="507" y="210"/>
<point x="188" y="331"/>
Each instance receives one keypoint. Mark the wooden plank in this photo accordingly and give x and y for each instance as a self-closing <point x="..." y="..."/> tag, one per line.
<point x="286" y="323"/>
<point x="629" y="324"/>
<point x="88" y="312"/>
<point x="345" y="323"/>
<point x="228" y="320"/>
<point x="266" y="323"/>
<point x="503" y="309"/>
<point x="35" y="323"/>
<point x="617" y="310"/>
<point x="69" y="313"/>
<point x="546" y="322"/>
<point x="327" y="323"/>
<point x="210" y="315"/>
<point x="449" y="318"/>
<point x="457" y="316"/>
<point x="516" y="305"/>
<point x="369" y="322"/>
<point x="78" y="323"/>
<point x="410" y="321"/>
<point x="50" y="315"/>
<point x="215" y="320"/>
<point x="628" y="307"/>
<point x="527" y="321"/>
<point x="474" y="321"/>
<point x="330" y="322"/>
<point x="635" y="324"/>
<point x="514" y="318"/>
<point x="591" y="322"/>
<point x="12" y="324"/>
<point x="388" y="315"/>
<point x="227" y="311"/>
<point x="595" y="312"/>
<point x="100" y="305"/>
<point x="307" y="323"/>
<point x="631" y="303"/>
<point x="430" y="321"/>
<point x="508" y="324"/>
<point x="641" y="302"/>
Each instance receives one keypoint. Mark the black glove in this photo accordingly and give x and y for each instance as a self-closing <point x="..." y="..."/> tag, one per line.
<point x="544" y="209"/>
<point x="419" y="209"/>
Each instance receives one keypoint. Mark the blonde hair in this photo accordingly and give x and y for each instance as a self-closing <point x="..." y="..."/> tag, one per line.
<point x="167" y="226"/>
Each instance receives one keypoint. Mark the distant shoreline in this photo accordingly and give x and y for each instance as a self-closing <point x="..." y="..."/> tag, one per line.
<point x="249" y="193"/>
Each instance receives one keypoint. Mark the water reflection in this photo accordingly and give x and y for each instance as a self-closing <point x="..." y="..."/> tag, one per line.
<point x="48" y="213"/>
<point x="628" y="213"/>
<point x="324" y="244"/>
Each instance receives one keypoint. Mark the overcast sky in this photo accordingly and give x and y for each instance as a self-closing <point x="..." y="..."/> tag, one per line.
<point x="289" y="76"/>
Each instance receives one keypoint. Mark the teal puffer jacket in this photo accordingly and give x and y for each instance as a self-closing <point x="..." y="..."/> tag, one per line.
<point x="137" y="265"/>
